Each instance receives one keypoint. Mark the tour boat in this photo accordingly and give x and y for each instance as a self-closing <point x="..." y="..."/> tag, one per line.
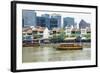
<point x="69" y="47"/>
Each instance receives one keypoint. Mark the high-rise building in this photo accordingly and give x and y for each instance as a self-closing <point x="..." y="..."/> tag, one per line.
<point x="45" y="15"/>
<point x="55" y="21"/>
<point x="43" y="21"/>
<point x="40" y="21"/>
<point x="28" y="18"/>
<point x="50" y="22"/>
<point x="83" y="24"/>
<point x="68" y="22"/>
<point x="47" y="20"/>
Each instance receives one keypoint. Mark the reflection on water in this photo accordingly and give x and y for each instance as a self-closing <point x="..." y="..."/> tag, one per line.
<point x="47" y="53"/>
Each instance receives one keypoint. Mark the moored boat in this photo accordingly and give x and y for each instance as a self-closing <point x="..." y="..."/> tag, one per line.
<point x="31" y="44"/>
<point x="69" y="47"/>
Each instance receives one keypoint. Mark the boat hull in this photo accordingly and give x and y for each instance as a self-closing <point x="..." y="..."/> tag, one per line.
<point x="69" y="48"/>
<point x="31" y="45"/>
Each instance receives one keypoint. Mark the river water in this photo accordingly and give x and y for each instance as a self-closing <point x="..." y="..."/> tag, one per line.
<point x="49" y="53"/>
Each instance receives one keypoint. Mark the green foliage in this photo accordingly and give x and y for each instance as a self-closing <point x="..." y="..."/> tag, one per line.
<point x="73" y="35"/>
<point x="58" y="38"/>
<point x="88" y="36"/>
<point x="37" y="36"/>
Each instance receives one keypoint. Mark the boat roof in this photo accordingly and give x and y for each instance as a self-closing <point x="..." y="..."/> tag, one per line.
<point x="70" y="38"/>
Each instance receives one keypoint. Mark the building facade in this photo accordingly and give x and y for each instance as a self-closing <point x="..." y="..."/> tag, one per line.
<point x="43" y="21"/>
<point x="55" y="21"/>
<point x="68" y="21"/>
<point x="83" y="24"/>
<point x="47" y="20"/>
<point x="28" y="18"/>
<point x="40" y="21"/>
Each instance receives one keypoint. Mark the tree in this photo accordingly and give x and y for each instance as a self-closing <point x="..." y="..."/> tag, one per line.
<point x="58" y="38"/>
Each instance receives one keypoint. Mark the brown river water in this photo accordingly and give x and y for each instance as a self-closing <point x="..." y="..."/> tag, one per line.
<point x="49" y="53"/>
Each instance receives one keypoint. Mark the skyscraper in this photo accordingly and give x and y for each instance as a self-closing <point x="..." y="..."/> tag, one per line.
<point x="47" y="20"/>
<point x="68" y="21"/>
<point x="45" y="15"/>
<point x="28" y="18"/>
<point x="55" y="21"/>
<point x="40" y="21"/>
<point x="43" y="21"/>
<point x="83" y="24"/>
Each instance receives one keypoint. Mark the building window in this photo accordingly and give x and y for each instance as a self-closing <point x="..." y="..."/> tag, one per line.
<point x="29" y="33"/>
<point x="34" y="32"/>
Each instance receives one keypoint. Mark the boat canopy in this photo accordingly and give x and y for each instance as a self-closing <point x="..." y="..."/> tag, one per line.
<point x="70" y="38"/>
